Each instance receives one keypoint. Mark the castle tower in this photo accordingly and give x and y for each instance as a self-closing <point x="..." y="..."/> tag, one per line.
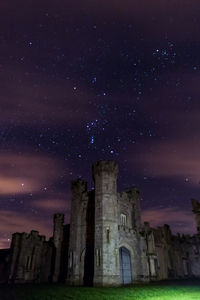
<point x="15" y="246"/>
<point x="106" y="264"/>
<point x="196" y="211"/>
<point x="134" y="197"/>
<point x="19" y="257"/>
<point x="77" y="240"/>
<point x="57" y="239"/>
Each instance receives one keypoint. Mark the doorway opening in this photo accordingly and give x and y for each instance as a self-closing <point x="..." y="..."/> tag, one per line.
<point x="125" y="266"/>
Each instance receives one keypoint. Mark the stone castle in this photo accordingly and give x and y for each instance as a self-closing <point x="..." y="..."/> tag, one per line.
<point x="105" y="244"/>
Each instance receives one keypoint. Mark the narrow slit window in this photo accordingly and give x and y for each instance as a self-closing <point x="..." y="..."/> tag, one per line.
<point x="98" y="257"/>
<point x="123" y="219"/>
<point x="108" y="234"/>
<point x="71" y="259"/>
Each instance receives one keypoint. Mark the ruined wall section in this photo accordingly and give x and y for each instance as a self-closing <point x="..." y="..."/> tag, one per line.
<point x="166" y="254"/>
<point x="161" y="249"/>
<point x="46" y="268"/>
<point x="178" y="258"/>
<point x="27" y="251"/>
<point x="151" y="254"/>
<point x="191" y="250"/>
<point x="174" y="253"/>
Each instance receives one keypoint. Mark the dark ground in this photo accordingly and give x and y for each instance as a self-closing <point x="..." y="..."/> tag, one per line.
<point x="164" y="290"/>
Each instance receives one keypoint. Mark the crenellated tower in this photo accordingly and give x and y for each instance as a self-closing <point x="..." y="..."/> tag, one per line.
<point x="106" y="244"/>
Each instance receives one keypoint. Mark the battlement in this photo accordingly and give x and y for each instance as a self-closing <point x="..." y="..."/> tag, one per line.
<point x="109" y="167"/>
<point x="59" y="217"/>
<point x="79" y="186"/>
<point x="133" y="193"/>
<point x="34" y="234"/>
<point x="129" y="195"/>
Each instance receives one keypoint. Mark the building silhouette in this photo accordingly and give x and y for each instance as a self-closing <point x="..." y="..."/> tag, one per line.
<point x="105" y="244"/>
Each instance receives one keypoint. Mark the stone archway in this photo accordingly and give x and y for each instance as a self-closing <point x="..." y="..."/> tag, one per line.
<point x="125" y="266"/>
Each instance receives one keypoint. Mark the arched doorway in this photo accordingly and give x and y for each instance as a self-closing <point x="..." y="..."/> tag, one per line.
<point x="125" y="266"/>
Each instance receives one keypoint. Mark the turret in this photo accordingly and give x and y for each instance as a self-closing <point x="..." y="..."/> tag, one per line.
<point x="134" y="196"/>
<point x="15" y="246"/>
<point x="196" y="211"/>
<point x="77" y="241"/>
<point x="106" y="265"/>
<point x="57" y="239"/>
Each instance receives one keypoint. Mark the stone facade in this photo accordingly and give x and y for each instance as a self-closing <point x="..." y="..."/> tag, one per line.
<point x="30" y="256"/>
<point x="33" y="259"/>
<point x="109" y="245"/>
<point x="172" y="256"/>
<point x="105" y="243"/>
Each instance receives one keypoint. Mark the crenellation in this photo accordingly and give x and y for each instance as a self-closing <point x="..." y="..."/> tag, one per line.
<point x="34" y="233"/>
<point x="79" y="186"/>
<point x="105" y="167"/>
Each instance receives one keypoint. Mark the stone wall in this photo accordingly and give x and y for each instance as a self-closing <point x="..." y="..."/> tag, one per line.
<point x="129" y="225"/>
<point x="30" y="258"/>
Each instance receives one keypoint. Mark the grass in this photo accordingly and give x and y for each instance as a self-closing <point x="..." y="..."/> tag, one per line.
<point x="156" y="291"/>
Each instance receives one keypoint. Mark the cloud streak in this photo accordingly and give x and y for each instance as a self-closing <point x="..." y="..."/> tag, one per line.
<point x="35" y="99"/>
<point x="54" y="205"/>
<point x="26" y="174"/>
<point x="180" y="220"/>
<point x="174" y="159"/>
<point x="12" y="221"/>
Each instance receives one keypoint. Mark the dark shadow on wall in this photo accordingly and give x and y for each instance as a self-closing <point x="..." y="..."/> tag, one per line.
<point x="89" y="253"/>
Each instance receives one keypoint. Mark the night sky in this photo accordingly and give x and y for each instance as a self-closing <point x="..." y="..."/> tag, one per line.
<point x="88" y="80"/>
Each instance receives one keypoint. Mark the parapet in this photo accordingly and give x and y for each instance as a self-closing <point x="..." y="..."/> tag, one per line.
<point x="109" y="167"/>
<point x="34" y="233"/>
<point x="132" y="192"/>
<point x="132" y="195"/>
<point x="79" y="186"/>
<point x="58" y="217"/>
<point x="24" y="236"/>
<point x="16" y="237"/>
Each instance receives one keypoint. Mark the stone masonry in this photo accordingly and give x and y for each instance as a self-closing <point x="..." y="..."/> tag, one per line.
<point x="105" y="244"/>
